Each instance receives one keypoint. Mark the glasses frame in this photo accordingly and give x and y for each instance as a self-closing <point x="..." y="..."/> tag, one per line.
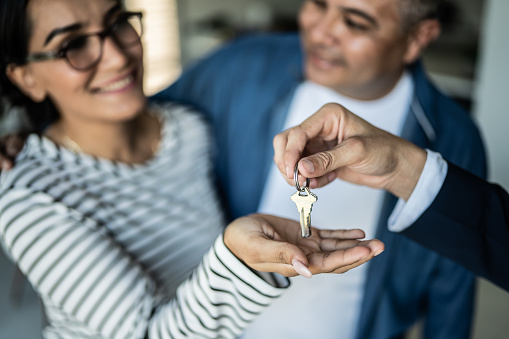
<point x="61" y="52"/>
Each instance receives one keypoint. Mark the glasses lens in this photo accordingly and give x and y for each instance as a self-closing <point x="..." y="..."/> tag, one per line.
<point x="128" y="30"/>
<point x="83" y="52"/>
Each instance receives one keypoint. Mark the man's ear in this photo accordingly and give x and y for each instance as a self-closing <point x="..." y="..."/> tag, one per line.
<point x="22" y="77"/>
<point x="420" y="36"/>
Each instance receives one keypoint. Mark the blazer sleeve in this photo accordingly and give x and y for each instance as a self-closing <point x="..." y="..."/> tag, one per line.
<point x="468" y="222"/>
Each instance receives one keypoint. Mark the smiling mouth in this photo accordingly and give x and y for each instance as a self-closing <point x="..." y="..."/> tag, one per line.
<point x="117" y="85"/>
<point x="325" y="62"/>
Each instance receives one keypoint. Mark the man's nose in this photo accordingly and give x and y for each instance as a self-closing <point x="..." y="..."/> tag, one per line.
<point x="324" y="30"/>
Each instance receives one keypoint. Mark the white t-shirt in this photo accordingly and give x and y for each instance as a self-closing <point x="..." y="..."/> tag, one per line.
<point x="329" y="304"/>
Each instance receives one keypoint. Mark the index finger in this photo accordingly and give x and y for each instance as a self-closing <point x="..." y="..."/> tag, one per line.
<point x="324" y="124"/>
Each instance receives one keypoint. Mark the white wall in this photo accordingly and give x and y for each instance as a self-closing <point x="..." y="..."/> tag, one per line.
<point x="492" y="94"/>
<point x="492" y="112"/>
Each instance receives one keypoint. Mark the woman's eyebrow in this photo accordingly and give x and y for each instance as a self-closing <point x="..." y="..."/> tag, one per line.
<point x="77" y="26"/>
<point x="111" y="12"/>
<point x="61" y="30"/>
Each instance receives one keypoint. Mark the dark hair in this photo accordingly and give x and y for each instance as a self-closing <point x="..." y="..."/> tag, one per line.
<point x="414" y="11"/>
<point x="15" y="30"/>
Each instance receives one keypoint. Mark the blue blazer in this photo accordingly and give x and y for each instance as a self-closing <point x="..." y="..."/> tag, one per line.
<point x="469" y="223"/>
<point x="245" y="90"/>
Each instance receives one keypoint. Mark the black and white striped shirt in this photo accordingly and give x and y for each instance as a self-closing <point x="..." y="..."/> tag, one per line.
<point x="124" y="251"/>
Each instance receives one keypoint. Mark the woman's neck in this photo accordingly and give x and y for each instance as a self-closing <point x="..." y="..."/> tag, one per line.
<point x="133" y="141"/>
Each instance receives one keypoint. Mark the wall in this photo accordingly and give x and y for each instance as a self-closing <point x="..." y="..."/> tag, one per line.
<point x="491" y="107"/>
<point x="492" y="94"/>
<point x="206" y="24"/>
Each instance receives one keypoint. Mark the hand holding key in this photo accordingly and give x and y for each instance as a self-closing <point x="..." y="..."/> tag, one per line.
<point x="335" y="143"/>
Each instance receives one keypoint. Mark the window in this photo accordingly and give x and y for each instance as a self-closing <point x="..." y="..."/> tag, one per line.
<point x="161" y="42"/>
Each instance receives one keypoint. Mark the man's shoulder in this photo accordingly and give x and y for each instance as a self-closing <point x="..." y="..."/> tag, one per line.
<point x="458" y="138"/>
<point x="264" y="42"/>
<point x="255" y="48"/>
<point x="439" y="107"/>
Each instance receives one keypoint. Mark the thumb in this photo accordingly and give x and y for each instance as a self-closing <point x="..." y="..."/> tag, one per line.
<point x="282" y="257"/>
<point x="347" y="153"/>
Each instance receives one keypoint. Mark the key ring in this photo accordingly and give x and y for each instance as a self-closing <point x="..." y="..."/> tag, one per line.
<point x="296" y="179"/>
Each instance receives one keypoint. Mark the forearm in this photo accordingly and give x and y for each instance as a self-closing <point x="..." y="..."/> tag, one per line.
<point x="468" y="222"/>
<point x="219" y="300"/>
<point x="95" y="286"/>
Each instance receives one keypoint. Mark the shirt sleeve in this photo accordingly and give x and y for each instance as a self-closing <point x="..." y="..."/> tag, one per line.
<point x="101" y="291"/>
<point x="430" y="182"/>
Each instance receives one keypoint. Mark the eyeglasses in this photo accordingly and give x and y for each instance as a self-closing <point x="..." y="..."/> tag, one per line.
<point x="85" y="51"/>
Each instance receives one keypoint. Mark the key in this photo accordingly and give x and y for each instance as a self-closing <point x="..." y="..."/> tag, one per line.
<point x="304" y="200"/>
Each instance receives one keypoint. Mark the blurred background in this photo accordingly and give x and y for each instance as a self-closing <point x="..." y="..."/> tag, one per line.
<point x="469" y="62"/>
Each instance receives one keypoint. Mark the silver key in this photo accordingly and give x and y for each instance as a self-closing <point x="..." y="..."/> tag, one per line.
<point x="304" y="200"/>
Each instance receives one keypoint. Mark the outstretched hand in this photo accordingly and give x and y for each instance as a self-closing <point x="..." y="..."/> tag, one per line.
<point x="273" y="244"/>
<point x="336" y="143"/>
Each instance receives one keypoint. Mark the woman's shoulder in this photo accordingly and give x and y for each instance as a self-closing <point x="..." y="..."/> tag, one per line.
<point x="36" y="159"/>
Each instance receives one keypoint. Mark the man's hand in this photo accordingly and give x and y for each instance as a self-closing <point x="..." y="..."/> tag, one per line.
<point x="272" y="244"/>
<point x="10" y="146"/>
<point x="338" y="144"/>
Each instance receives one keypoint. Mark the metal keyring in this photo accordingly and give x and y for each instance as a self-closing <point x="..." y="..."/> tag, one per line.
<point x="296" y="179"/>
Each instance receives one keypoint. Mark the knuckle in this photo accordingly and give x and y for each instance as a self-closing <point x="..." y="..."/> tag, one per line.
<point x="325" y="160"/>
<point x="358" y="145"/>
<point x="278" y="139"/>
<point x="280" y="257"/>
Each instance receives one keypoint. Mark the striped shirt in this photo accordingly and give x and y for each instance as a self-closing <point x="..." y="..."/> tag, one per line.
<point x="124" y="251"/>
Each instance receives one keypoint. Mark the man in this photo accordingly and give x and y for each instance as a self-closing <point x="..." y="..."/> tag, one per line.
<point x="458" y="214"/>
<point x="364" y="54"/>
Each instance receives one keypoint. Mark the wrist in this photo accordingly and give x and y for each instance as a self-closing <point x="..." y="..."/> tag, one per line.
<point x="231" y="240"/>
<point x="409" y="169"/>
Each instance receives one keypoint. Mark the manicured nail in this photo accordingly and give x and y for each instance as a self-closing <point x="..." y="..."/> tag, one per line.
<point x="289" y="172"/>
<point x="379" y="252"/>
<point x="300" y="268"/>
<point x="308" y="166"/>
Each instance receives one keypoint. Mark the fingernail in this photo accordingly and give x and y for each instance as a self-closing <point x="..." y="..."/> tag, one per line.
<point x="289" y="173"/>
<point x="308" y="165"/>
<point x="331" y="176"/>
<point x="313" y="183"/>
<point x="300" y="268"/>
<point x="379" y="252"/>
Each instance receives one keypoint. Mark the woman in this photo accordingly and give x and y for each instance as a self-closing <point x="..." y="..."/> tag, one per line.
<point x="111" y="212"/>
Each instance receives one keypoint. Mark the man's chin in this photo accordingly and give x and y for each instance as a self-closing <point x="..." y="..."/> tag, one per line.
<point x="327" y="79"/>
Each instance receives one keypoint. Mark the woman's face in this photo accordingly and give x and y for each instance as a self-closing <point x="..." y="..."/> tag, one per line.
<point x="112" y="90"/>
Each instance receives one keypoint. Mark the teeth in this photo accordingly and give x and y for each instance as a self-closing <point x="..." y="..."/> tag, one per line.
<point x="117" y="85"/>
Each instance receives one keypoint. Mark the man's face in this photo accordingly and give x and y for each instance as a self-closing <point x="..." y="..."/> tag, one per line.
<point x="355" y="47"/>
